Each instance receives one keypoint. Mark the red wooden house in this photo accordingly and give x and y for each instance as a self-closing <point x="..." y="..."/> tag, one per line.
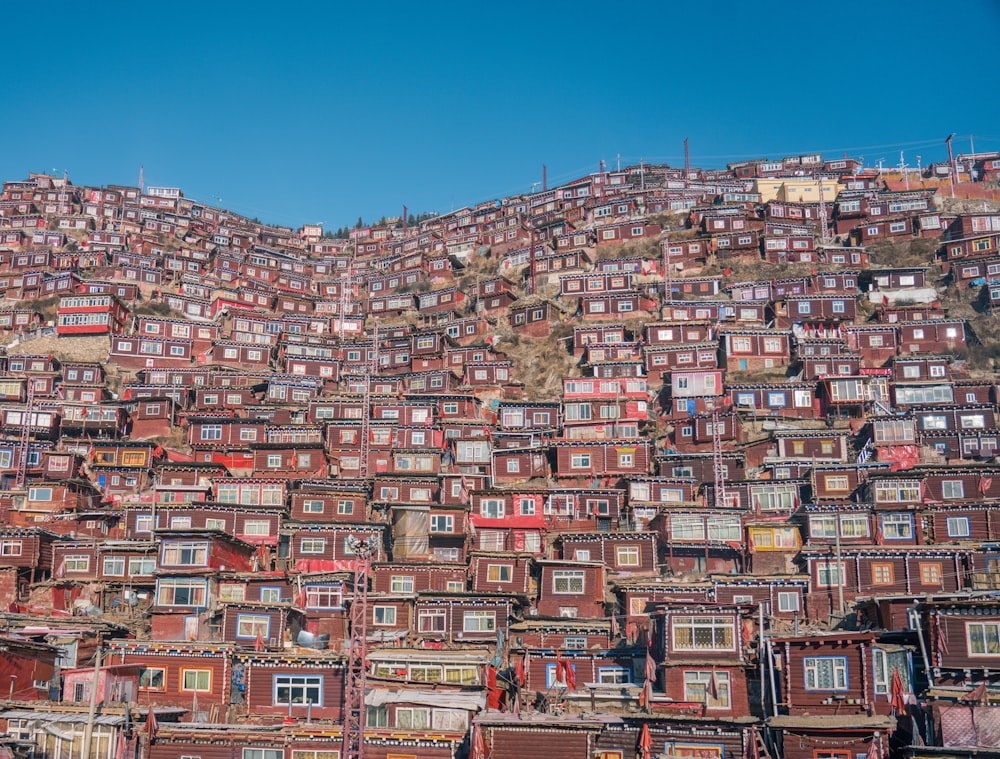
<point x="571" y="589"/>
<point x="749" y="350"/>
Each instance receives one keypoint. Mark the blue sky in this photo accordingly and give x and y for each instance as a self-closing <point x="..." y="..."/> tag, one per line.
<point x="304" y="112"/>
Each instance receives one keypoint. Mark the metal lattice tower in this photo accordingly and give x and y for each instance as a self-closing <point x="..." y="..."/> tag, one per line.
<point x="371" y="369"/>
<point x="346" y="291"/>
<point x="824" y="232"/>
<point x="357" y="654"/>
<point x="22" y="456"/>
<point x="718" y="468"/>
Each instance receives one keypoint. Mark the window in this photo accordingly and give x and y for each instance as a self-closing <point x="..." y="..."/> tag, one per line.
<point x="114" y="566"/>
<point x="983" y="638"/>
<point x="270" y="595"/>
<point x="324" y="596"/>
<point x="822" y="526"/>
<point x="184" y="554"/>
<point x="432" y="620"/>
<point x="958" y="527"/>
<point x="180" y="592"/>
<point x="499" y="572"/>
<point x="479" y="621"/>
<point x="312" y="545"/>
<point x="141" y="566"/>
<point x="825" y="672"/>
<point x="196" y="679"/>
<point x="442" y="523"/>
<point x="614" y="675"/>
<point x="313" y="506"/>
<point x="298" y="689"/>
<point x="829" y="574"/>
<point x="376" y="716"/>
<point x="413" y="718"/>
<point x="704" y="633"/>
<point x="298" y="753"/>
<point x="211" y="431"/>
<point x="580" y="461"/>
<point x="836" y="482"/>
<point x="854" y="525"/>
<point x="492" y="508"/>
<point x="401" y="584"/>
<point x="930" y="573"/>
<point x="252" y="625"/>
<point x="551" y="679"/>
<point x="897" y="526"/>
<point x="627" y="556"/>
<point x="152" y="678"/>
<point x="258" y="527"/>
<point x="952" y="489"/>
<point x="788" y="601"/>
<point x="882" y="573"/>
<point x="568" y="581"/>
<point x="710" y="688"/>
<point x="385" y="616"/>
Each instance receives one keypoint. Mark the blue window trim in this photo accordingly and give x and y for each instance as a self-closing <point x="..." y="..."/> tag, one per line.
<point x="550" y="673"/>
<point x="881" y="525"/>
<point x="968" y="526"/>
<point x="270" y="587"/>
<point x="847" y="675"/>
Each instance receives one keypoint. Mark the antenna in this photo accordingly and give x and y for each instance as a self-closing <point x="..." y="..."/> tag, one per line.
<point x="903" y="170"/>
<point x="951" y="163"/>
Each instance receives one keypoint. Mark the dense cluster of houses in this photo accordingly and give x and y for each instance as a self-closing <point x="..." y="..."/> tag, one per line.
<point x="758" y="520"/>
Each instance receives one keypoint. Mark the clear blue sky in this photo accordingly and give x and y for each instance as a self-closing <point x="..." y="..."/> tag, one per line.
<point x="303" y="112"/>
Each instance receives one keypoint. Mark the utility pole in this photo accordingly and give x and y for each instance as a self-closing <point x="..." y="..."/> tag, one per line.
<point x="353" y="746"/>
<point x="903" y="168"/>
<point x="687" y="160"/>
<point x="642" y="176"/>
<point x="951" y="163"/>
<point x="545" y="178"/>
<point x="89" y="748"/>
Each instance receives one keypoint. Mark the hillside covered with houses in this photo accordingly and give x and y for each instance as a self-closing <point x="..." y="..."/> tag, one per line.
<point x="659" y="462"/>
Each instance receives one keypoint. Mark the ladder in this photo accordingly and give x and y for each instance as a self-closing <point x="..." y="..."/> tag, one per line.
<point x="22" y="456"/>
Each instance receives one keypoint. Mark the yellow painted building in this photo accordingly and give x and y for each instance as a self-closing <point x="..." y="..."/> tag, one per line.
<point x="795" y="189"/>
